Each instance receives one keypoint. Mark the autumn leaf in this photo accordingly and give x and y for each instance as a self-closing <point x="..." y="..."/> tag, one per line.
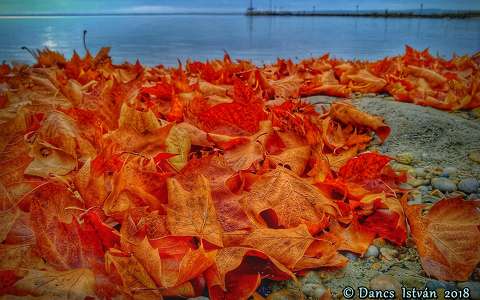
<point x="178" y="143"/>
<point x="292" y="200"/>
<point x="191" y="213"/>
<point x="285" y="245"/>
<point x="135" y="279"/>
<point x="236" y="272"/>
<point x="7" y="219"/>
<point x="58" y="243"/>
<point x="138" y="182"/>
<point x="120" y="180"/>
<point x="75" y="284"/>
<point x="244" y="155"/>
<point x="191" y="265"/>
<point x="348" y="114"/>
<point x="354" y="237"/>
<point x="446" y="237"/>
<point x="230" y="213"/>
<point x="294" y="159"/>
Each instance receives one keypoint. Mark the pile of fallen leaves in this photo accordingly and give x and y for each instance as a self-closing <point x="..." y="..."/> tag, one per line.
<point x="157" y="182"/>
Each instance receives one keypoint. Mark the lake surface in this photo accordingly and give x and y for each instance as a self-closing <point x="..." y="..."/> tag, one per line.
<point x="161" y="39"/>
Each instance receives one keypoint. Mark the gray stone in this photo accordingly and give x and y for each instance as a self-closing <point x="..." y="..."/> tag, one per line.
<point x="311" y="277"/>
<point x="313" y="290"/>
<point x="449" y="171"/>
<point x="444" y="184"/>
<point x="372" y="251"/>
<point x="389" y="253"/>
<point x="385" y="282"/>
<point x="473" y="286"/>
<point x="199" y="298"/>
<point x="319" y="292"/>
<point x="351" y="256"/>
<point x="405" y="186"/>
<point x="406" y="158"/>
<point x="424" y="189"/>
<point x="473" y="197"/>
<point x="415" y="182"/>
<point x="468" y="185"/>
<point x="420" y="172"/>
<point x="433" y="284"/>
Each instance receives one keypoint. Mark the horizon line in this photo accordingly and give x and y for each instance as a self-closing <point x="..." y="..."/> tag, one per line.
<point x="224" y="12"/>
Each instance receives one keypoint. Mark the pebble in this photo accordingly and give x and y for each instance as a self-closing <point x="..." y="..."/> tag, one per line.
<point x="424" y="189"/>
<point x="351" y="256"/>
<point x="433" y="284"/>
<point x="405" y="158"/>
<point x="420" y="172"/>
<point x="264" y="290"/>
<point x="476" y="112"/>
<point x="402" y="167"/>
<point x="417" y="182"/>
<point x="372" y="251"/>
<point x="385" y="282"/>
<point x="449" y="171"/>
<point x="316" y="290"/>
<point x="405" y="186"/>
<point x="388" y="253"/>
<point x="474" y="156"/>
<point x="311" y="277"/>
<point x="468" y="185"/>
<point x="444" y="184"/>
<point x="431" y="199"/>
<point x="473" y="197"/>
<point x="474" y="287"/>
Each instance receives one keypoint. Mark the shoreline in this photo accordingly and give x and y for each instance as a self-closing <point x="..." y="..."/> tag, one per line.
<point x="270" y="13"/>
<point x="370" y="14"/>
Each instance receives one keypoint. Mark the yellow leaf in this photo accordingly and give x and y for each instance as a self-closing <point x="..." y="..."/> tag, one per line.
<point x="178" y="143"/>
<point x="75" y="284"/>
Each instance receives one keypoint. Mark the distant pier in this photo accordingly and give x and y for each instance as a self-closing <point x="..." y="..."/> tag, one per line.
<point x="375" y="14"/>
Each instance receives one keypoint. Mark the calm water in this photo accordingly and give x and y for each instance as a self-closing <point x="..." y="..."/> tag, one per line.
<point x="163" y="39"/>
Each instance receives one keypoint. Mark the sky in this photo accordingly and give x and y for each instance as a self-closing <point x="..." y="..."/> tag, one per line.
<point x="173" y="6"/>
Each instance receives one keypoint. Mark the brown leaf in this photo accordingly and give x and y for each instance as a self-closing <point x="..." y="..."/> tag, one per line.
<point x="7" y="220"/>
<point x="293" y="201"/>
<point x="75" y="284"/>
<point x="348" y="114"/>
<point x="192" y="213"/>
<point x="447" y="237"/>
<point x="191" y="265"/>
<point x="243" y="156"/>
<point x="285" y="245"/>
<point x="294" y="159"/>
<point x="134" y="277"/>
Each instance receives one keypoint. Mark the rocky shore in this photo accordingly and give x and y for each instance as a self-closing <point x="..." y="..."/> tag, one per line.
<point x="440" y="152"/>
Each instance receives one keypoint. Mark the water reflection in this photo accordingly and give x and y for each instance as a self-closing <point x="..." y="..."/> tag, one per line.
<point x="163" y="39"/>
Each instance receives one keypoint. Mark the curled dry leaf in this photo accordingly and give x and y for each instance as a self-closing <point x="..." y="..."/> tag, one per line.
<point x="447" y="237"/>
<point x="348" y="114"/>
